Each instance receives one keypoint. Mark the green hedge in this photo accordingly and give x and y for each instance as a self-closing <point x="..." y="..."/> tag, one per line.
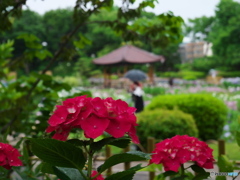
<point x="209" y="112"/>
<point x="154" y="91"/>
<point x="229" y="74"/>
<point x="162" y="124"/>
<point x="188" y="75"/>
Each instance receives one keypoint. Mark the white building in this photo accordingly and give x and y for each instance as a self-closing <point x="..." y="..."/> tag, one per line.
<point x="192" y="50"/>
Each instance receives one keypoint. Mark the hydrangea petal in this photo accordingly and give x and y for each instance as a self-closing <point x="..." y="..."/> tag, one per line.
<point x="94" y="126"/>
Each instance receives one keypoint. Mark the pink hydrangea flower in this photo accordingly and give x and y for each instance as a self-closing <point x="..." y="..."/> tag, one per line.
<point x="99" y="177"/>
<point x="180" y="149"/>
<point x="93" y="116"/>
<point x="9" y="156"/>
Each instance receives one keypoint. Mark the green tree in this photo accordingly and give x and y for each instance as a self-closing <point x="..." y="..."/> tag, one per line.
<point x="28" y="94"/>
<point x="225" y="34"/>
<point x="222" y="30"/>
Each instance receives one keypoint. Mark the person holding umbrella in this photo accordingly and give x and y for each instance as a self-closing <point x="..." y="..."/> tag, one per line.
<point x="137" y="96"/>
<point x="135" y="76"/>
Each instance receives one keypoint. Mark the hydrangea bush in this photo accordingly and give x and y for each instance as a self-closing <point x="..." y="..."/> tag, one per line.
<point x="9" y="156"/>
<point x="105" y="122"/>
<point x="93" y="116"/>
<point x="176" y="151"/>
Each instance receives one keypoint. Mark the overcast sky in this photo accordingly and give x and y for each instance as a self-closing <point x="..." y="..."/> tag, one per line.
<point x="184" y="8"/>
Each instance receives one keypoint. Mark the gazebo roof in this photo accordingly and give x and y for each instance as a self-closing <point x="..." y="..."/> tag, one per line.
<point x="128" y="54"/>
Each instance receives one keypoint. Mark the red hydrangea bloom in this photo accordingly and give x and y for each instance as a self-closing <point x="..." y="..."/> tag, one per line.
<point x="9" y="156"/>
<point x="93" y="116"/>
<point x="180" y="149"/>
<point x="99" y="177"/>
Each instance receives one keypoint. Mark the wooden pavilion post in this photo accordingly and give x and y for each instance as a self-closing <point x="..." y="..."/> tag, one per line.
<point x="107" y="77"/>
<point x="104" y="77"/>
<point x="151" y="74"/>
<point x="125" y="69"/>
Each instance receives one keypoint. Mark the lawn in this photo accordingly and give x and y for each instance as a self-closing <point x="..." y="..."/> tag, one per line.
<point x="232" y="150"/>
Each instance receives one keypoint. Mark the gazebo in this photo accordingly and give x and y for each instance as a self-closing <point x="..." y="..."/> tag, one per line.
<point x="125" y="56"/>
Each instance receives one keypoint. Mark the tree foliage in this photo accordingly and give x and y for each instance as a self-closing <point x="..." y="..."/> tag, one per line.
<point x="222" y="30"/>
<point x="60" y="36"/>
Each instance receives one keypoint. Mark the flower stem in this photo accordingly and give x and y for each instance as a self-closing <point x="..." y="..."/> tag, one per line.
<point x="90" y="159"/>
<point x="182" y="170"/>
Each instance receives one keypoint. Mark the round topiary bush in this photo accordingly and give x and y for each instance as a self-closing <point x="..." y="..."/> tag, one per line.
<point x="162" y="124"/>
<point x="209" y="112"/>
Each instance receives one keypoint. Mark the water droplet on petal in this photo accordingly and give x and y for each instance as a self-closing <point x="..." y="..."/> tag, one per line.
<point x="94" y="127"/>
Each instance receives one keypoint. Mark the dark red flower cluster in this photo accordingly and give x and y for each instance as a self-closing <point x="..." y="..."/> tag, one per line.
<point x="180" y="149"/>
<point x="99" y="177"/>
<point x="93" y="116"/>
<point x="9" y="156"/>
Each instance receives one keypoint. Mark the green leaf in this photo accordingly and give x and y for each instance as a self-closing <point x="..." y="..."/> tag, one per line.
<point x="224" y="164"/>
<point x="47" y="168"/>
<point x="203" y="175"/>
<point x="58" y="153"/>
<point x="82" y="42"/>
<point x="78" y="142"/>
<point x="68" y="173"/>
<point x="221" y="178"/>
<point x="3" y="172"/>
<point x="166" y="174"/>
<point x="152" y="168"/>
<point x="120" y="142"/>
<point x="123" y="157"/>
<point x="42" y="54"/>
<point x="197" y="169"/>
<point x="126" y="175"/>
<point x="96" y="146"/>
<point x="180" y="177"/>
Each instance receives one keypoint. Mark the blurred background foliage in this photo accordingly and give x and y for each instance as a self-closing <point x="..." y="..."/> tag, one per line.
<point x="43" y="57"/>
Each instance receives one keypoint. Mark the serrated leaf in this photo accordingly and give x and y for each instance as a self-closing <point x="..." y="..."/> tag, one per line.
<point x="169" y="173"/>
<point x="58" y="153"/>
<point x="202" y="176"/>
<point x="68" y="173"/>
<point x="126" y="175"/>
<point x="78" y="142"/>
<point x="96" y="146"/>
<point x="123" y="157"/>
<point x="197" y="169"/>
<point x="120" y="142"/>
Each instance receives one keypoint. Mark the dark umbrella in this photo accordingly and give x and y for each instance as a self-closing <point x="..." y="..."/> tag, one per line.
<point x="135" y="75"/>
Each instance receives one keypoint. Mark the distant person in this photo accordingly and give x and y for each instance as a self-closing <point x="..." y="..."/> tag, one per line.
<point x="170" y="81"/>
<point x="137" y="96"/>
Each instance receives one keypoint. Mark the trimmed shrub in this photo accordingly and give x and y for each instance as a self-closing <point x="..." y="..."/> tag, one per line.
<point x="184" y="74"/>
<point x="229" y="74"/>
<point x="209" y="112"/>
<point x="193" y="74"/>
<point x="162" y="124"/>
<point x="154" y="91"/>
